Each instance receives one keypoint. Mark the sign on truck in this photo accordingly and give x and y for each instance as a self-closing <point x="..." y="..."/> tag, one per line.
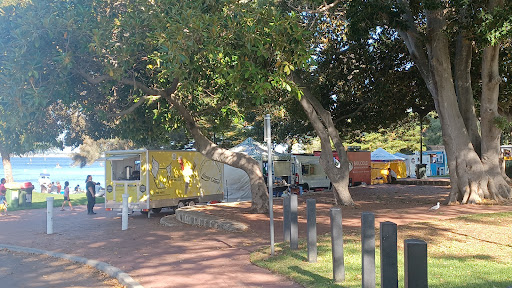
<point x="156" y="179"/>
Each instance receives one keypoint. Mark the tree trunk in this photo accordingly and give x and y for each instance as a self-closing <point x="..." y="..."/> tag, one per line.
<point x="464" y="91"/>
<point x="239" y="160"/>
<point x="473" y="178"/>
<point x="326" y="131"/>
<point x="6" y="161"/>
<point x="498" y="187"/>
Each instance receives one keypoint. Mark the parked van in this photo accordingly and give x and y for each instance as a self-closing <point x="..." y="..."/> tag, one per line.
<point x="308" y="172"/>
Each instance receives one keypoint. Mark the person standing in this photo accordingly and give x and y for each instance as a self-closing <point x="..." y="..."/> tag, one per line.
<point x="59" y="187"/>
<point x="66" y="196"/>
<point x="89" y="191"/>
<point x="3" y="192"/>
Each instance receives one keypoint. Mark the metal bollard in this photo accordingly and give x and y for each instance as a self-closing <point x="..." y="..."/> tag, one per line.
<point x="49" y="215"/>
<point x="286" y="218"/>
<point x="124" y="217"/>
<point x="294" y="223"/>
<point x="312" y="243"/>
<point x="338" y="261"/>
<point x="388" y="255"/>
<point x="368" y="249"/>
<point x="415" y="263"/>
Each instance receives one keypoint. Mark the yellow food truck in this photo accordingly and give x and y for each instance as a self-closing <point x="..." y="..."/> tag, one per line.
<point x="156" y="179"/>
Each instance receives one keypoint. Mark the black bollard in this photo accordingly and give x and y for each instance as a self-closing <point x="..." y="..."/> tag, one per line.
<point x="286" y="218"/>
<point x="415" y="262"/>
<point x="294" y="223"/>
<point x="311" y="214"/>
<point x="368" y="249"/>
<point x="388" y="255"/>
<point x="338" y="262"/>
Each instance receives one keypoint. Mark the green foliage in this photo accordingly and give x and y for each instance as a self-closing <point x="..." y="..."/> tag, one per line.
<point x="29" y="120"/>
<point x="402" y="137"/>
<point x="91" y="150"/>
<point x="481" y="24"/>
<point x="432" y="135"/>
<point x="229" y="57"/>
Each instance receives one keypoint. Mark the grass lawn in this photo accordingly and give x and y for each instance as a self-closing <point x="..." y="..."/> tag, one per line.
<point x="39" y="200"/>
<point x="471" y="252"/>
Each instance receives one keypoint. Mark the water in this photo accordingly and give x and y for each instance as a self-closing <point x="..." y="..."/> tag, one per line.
<point x="27" y="169"/>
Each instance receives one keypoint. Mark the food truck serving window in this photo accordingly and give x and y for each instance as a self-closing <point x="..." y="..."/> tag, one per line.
<point x="125" y="167"/>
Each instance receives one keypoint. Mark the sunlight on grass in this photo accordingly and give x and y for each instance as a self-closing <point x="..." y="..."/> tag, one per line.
<point x="470" y="251"/>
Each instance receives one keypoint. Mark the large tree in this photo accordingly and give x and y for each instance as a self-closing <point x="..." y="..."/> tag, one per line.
<point x="443" y="39"/>
<point x="208" y="60"/>
<point x="29" y="120"/>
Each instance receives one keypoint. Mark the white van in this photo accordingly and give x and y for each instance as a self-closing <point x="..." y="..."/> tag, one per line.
<point x="308" y="172"/>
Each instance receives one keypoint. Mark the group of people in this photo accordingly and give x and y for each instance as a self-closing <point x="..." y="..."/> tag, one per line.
<point x="55" y="187"/>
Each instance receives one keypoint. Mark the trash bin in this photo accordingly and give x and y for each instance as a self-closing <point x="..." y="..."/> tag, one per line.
<point x="22" y="200"/>
<point x="26" y="194"/>
<point x="421" y="171"/>
<point x="13" y="194"/>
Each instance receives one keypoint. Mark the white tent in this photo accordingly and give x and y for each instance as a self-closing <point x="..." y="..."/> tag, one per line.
<point x="383" y="155"/>
<point x="237" y="184"/>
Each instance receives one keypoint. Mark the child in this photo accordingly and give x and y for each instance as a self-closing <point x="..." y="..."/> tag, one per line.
<point x="3" y="192"/>
<point x="66" y="196"/>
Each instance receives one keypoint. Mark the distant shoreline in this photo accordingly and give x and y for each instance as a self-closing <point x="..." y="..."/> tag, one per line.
<point x="44" y="156"/>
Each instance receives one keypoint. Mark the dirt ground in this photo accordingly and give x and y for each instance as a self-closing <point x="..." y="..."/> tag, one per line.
<point x="401" y="204"/>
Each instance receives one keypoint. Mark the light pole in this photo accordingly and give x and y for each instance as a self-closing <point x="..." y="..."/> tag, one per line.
<point x="268" y="138"/>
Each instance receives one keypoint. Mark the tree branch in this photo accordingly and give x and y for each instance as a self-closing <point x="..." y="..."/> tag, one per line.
<point x="322" y="9"/>
<point x="338" y="119"/>
<point x="151" y="94"/>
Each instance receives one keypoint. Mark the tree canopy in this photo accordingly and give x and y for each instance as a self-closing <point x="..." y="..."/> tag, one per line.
<point x="446" y="41"/>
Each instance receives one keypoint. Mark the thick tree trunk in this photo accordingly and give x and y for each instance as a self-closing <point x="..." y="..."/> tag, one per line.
<point x="324" y="127"/>
<point x="238" y="160"/>
<point x="462" y="75"/>
<point x="498" y="186"/>
<point x="6" y="161"/>
<point x="473" y="178"/>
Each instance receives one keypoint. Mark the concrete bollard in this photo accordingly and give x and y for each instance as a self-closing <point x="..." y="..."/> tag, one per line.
<point x="415" y="263"/>
<point x="124" y="216"/>
<point x="49" y="215"/>
<point x="294" y="223"/>
<point x="388" y="255"/>
<point x="312" y="243"/>
<point x="286" y="218"/>
<point x="338" y="261"/>
<point x="368" y="249"/>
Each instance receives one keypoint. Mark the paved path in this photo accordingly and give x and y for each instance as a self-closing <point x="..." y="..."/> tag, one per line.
<point x="153" y="255"/>
<point x="22" y="270"/>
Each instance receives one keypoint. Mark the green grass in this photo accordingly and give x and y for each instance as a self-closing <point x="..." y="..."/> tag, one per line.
<point x="39" y="201"/>
<point x="470" y="252"/>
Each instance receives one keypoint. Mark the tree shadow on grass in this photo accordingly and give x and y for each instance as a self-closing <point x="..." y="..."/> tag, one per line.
<point x="465" y="258"/>
<point x="296" y="254"/>
<point x="309" y="277"/>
